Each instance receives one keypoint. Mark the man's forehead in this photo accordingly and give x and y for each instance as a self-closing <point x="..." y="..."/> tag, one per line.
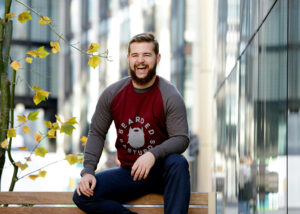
<point x="137" y="47"/>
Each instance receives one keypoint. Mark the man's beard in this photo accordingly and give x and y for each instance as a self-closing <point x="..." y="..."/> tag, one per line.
<point x="143" y="81"/>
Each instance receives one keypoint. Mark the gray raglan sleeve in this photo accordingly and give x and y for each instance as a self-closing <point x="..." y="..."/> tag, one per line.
<point x="100" y="124"/>
<point x="177" y="128"/>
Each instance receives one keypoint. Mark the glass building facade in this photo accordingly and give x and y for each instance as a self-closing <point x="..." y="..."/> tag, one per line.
<point x="257" y="107"/>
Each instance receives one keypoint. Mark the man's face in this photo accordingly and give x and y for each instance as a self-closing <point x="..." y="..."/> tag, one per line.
<point x="142" y="62"/>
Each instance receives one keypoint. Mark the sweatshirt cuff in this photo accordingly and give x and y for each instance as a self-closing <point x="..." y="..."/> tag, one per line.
<point x="88" y="171"/>
<point x="155" y="152"/>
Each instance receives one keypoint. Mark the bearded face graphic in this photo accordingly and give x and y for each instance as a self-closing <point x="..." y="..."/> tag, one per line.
<point x="136" y="137"/>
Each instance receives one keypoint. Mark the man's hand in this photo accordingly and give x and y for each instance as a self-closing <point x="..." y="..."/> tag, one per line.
<point x="142" y="166"/>
<point x="86" y="185"/>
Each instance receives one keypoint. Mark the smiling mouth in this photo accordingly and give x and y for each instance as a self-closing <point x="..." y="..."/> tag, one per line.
<point x="141" y="68"/>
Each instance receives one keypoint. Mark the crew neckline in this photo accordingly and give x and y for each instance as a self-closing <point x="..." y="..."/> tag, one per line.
<point x="143" y="90"/>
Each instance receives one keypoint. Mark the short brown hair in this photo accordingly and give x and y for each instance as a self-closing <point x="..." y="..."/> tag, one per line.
<point x="145" y="37"/>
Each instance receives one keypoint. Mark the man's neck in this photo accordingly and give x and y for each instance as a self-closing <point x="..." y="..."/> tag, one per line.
<point x="150" y="83"/>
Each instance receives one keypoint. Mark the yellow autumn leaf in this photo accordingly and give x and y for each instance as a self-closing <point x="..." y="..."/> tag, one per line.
<point x="72" y="159"/>
<point x="11" y="132"/>
<point x="32" y="53"/>
<point x="83" y="140"/>
<point x="26" y="129"/>
<point x="4" y="144"/>
<point x="22" y="148"/>
<point x="24" y="17"/>
<point x="42" y="173"/>
<point x="40" y="95"/>
<point x="22" y="118"/>
<point x="37" y="137"/>
<point x="71" y="121"/>
<point x="58" y="119"/>
<point x="28" y="60"/>
<point x="94" y="61"/>
<point x="9" y="15"/>
<point x="41" y="151"/>
<point x="93" y="48"/>
<point x="51" y="133"/>
<point x="80" y="160"/>
<point x="21" y="165"/>
<point x="48" y="124"/>
<point x="15" y="65"/>
<point x="41" y="52"/>
<point x="55" y="47"/>
<point x="33" y="177"/>
<point x="55" y="126"/>
<point x="44" y="20"/>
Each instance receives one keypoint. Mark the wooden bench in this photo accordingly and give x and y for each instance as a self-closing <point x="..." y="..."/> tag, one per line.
<point x="61" y="203"/>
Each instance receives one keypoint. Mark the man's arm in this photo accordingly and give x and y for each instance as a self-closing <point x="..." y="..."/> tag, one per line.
<point x="177" y="128"/>
<point x="101" y="122"/>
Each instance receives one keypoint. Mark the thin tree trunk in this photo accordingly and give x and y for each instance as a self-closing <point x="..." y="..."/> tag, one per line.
<point x="5" y="42"/>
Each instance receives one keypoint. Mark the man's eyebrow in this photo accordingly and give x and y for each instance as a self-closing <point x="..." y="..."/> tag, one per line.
<point x="136" y="53"/>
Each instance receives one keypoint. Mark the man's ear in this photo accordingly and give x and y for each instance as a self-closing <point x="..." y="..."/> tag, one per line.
<point x="158" y="58"/>
<point x="128" y="57"/>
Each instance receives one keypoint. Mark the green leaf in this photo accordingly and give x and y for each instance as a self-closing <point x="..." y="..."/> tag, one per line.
<point x="41" y="151"/>
<point x="33" y="115"/>
<point x="68" y="129"/>
<point x="41" y="52"/>
<point x="55" y="126"/>
<point x="71" y="121"/>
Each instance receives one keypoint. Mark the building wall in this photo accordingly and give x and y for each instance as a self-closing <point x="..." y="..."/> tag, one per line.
<point x="257" y="104"/>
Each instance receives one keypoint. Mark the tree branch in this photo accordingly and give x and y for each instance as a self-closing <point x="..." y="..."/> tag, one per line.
<point x="40" y="168"/>
<point x="103" y="55"/>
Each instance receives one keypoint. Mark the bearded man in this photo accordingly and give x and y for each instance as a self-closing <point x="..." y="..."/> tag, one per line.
<point x="152" y="132"/>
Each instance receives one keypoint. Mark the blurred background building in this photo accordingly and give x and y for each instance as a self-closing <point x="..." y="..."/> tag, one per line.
<point x="235" y="62"/>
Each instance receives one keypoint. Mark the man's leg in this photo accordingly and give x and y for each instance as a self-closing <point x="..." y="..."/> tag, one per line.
<point x="176" y="178"/>
<point x="113" y="187"/>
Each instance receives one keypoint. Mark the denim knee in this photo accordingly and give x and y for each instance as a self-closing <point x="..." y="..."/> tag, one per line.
<point x="76" y="198"/>
<point x="177" y="162"/>
<point x="80" y="201"/>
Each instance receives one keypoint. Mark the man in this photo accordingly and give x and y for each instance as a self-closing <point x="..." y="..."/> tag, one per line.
<point x="152" y="131"/>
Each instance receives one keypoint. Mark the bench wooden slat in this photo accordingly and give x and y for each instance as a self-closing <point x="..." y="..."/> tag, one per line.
<point x="75" y="210"/>
<point x="196" y="199"/>
<point x="54" y="202"/>
<point x="66" y="198"/>
<point x="40" y="210"/>
<point x="36" y="198"/>
<point x="160" y="210"/>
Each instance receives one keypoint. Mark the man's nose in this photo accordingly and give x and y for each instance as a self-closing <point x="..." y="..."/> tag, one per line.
<point x="141" y="59"/>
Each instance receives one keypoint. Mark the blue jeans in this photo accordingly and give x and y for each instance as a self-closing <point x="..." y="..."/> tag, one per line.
<point x="169" y="176"/>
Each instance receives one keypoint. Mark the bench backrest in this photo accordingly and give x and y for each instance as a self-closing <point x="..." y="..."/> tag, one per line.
<point x="61" y="202"/>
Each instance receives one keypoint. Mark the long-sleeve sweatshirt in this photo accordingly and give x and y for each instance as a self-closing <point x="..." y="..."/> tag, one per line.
<point x="153" y="121"/>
